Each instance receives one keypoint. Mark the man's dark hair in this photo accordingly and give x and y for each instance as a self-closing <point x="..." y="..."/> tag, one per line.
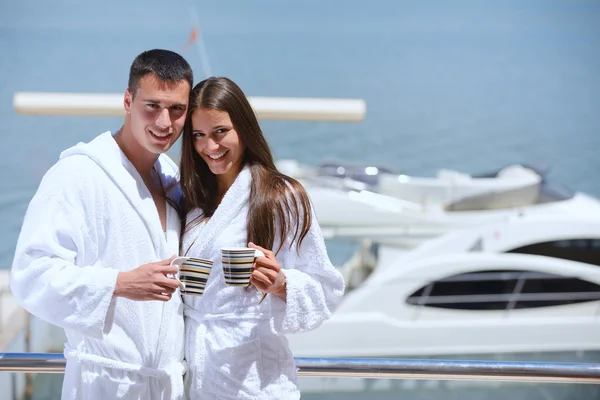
<point x="166" y="65"/>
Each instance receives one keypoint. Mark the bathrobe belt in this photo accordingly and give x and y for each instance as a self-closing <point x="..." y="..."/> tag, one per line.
<point x="173" y="372"/>
<point x="200" y="317"/>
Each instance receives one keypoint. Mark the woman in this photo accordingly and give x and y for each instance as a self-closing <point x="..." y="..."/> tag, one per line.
<point x="234" y="196"/>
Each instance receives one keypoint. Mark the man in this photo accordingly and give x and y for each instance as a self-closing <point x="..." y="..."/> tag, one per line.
<point x="86" y="258"/>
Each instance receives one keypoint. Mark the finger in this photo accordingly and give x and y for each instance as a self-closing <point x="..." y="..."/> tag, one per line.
<point x="167" y="261"/>
<point x="259" y="285"/>
<point x="169" y="283"/>
<point x="160" y="289"/>
<point x="169" y="269"/>
<point x="261" y="278"/>
<point x="164" y="292"/>
<point x="269" y="273"/>
<point x="268" y="253"/>
<point x="161" y="297"/>
<point x="266" y="263"/>
<point x="171" y="280"/>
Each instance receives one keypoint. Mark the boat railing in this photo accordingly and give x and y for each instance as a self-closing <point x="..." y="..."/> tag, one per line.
<point x="584" y="373"/>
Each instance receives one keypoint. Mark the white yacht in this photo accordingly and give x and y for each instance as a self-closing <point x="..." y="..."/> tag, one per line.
<point x="512" y="185"/>
<point x="376" y="204"/>
<point x="523" y="286"/>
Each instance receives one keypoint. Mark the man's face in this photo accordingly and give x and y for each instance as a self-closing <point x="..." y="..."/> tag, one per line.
<point x="157" y="112"/>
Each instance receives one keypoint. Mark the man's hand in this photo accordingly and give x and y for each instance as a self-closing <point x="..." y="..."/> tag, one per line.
<point x="148" y="282"/>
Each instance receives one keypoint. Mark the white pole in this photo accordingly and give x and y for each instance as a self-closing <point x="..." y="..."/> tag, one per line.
<point x="266" y="108"/>
<point x="200" y="44"/>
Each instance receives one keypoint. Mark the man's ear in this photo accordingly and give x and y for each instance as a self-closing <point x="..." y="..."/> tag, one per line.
<point x="127" y="100"/>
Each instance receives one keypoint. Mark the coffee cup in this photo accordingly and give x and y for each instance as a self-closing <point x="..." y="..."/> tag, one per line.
<point x="237" y="264"/>
<point x="193" y="274"/>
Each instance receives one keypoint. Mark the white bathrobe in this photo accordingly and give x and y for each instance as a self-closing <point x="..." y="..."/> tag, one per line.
<point x="236" y="348"/>
<point x="91" y="218"/>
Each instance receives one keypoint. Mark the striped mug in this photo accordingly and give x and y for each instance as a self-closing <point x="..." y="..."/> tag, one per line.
<point x="237" y="264"/>
<point x="193" y="274"/>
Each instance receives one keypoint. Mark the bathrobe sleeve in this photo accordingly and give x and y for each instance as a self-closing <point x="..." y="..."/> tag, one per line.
<point x="314" y="286"/>
<point x="48" y="276"/>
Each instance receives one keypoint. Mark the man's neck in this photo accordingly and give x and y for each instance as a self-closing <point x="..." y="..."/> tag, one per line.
<point x="142" y="160"/>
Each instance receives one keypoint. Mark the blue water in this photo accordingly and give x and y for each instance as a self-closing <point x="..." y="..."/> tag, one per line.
<point x="469" y="85"/>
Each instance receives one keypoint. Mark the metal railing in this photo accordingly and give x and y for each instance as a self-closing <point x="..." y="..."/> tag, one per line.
<point x="5" y="290"/>
<point x="2" y="291"/>
<point x="376" y="368"/>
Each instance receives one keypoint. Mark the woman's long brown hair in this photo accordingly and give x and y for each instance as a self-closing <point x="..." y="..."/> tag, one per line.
<point x="274" y="197"/>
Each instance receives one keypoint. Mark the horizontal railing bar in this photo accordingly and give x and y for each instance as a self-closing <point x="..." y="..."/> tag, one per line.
<point x="376" y="368"/>
<point x="450" y="370"/>
<point x="32" y="362"/>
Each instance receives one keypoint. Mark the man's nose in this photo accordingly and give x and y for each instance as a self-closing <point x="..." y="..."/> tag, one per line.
<point x="164" y="120"/>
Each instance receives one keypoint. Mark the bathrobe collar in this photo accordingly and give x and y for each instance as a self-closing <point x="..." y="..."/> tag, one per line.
<point x="105" y="152"/>
<point x="236" y="197"/>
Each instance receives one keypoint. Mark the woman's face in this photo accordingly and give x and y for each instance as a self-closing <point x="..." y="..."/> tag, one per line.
<point x="217" y="142"/>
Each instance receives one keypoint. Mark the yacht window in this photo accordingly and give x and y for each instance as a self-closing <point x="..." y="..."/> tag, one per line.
<point x="582" y="250"/>
<point x="504" y="290"/>
<point x="565" y="244"/>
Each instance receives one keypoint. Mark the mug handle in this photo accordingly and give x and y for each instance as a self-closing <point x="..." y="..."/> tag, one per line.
<point x="178" y="262"/>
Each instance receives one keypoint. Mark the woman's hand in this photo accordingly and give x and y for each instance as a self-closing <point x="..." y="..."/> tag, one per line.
<point x="266" y="275"/>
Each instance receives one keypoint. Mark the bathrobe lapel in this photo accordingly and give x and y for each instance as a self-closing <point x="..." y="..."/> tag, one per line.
<point x="133" y="187"/>
<point x="232" y="204"/>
